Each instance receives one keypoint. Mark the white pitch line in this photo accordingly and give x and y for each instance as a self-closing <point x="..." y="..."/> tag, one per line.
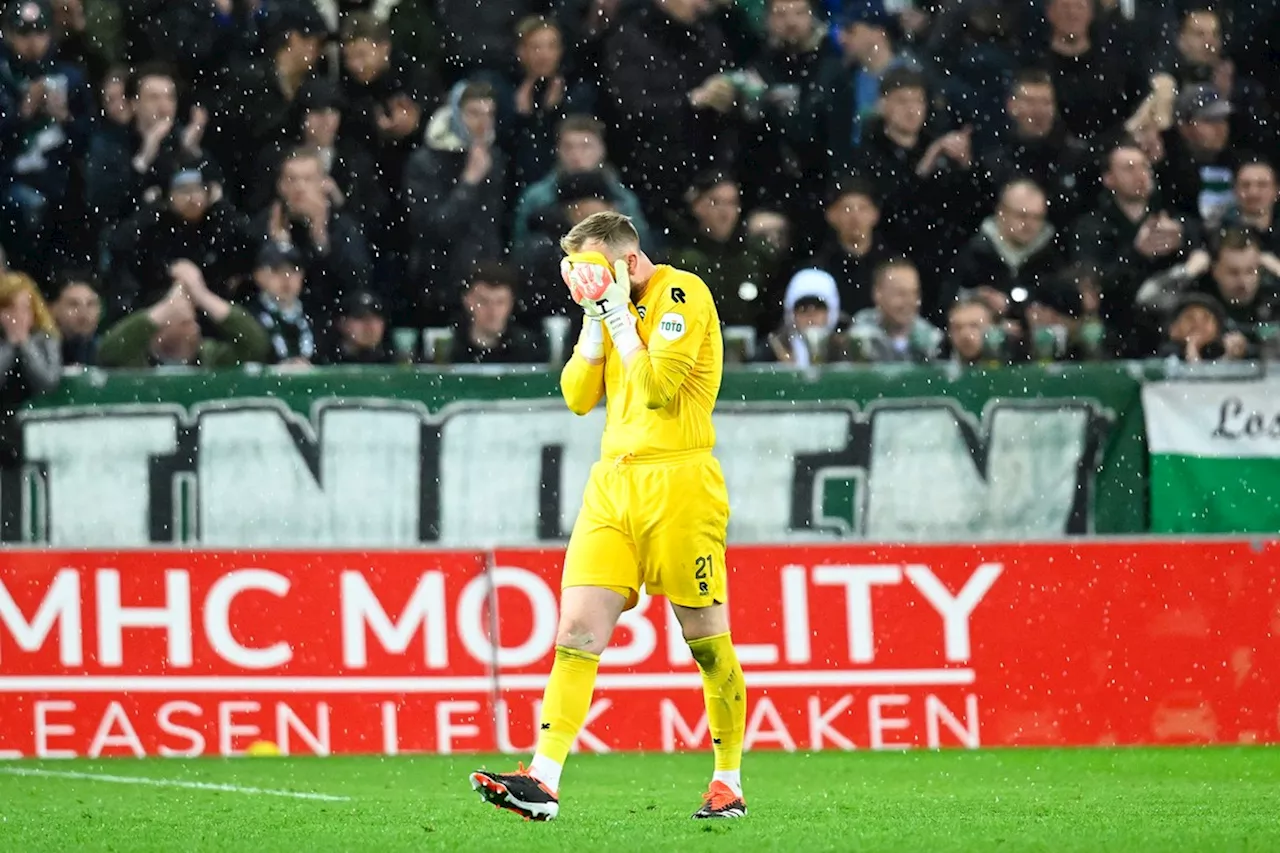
<point x="170" y="783"/>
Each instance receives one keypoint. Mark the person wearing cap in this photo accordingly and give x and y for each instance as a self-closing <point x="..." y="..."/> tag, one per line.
<point x="45" y="106"/>
<point x="1201" y="55"/>
<point x="1200" y="161"/>
<point x="279" y="276"/>
<point x="360" y="332"/>
<point x="739" y="270"/>
<point x="1196" y="327"/>
<point x="487" y="334"/>
<point x="190" y="222"/>
<point x="168" y="333"/>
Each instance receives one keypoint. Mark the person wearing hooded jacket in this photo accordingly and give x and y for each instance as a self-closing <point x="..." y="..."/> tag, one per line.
<point x="811" y="321"/>
<point x="454" y="193"/>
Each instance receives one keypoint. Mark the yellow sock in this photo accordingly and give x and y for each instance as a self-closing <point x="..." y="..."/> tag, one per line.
<point x="566" y="701"/>
<point x="726" y="696"/>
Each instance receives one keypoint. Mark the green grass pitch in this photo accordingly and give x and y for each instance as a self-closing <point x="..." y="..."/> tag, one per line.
<point x="1219" y="799"/>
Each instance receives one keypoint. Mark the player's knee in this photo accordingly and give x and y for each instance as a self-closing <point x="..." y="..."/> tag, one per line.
<point x="706" y="655"/>
<point x="580" y="635"/>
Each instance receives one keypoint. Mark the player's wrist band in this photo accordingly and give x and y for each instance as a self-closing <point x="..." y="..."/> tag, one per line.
<point x="591" y="341"/>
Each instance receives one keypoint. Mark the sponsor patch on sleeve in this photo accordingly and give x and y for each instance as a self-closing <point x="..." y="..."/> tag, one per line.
<point x="671" y="326"/>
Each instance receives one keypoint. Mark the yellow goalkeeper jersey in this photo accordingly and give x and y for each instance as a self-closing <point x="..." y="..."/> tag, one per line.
<point x="662" y="403"/>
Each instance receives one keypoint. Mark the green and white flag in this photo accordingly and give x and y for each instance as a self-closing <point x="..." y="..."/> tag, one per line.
<point x="1215" y="456"/>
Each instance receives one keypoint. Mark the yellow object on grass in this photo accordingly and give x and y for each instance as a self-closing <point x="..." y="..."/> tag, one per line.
<point x="262" y="748"/>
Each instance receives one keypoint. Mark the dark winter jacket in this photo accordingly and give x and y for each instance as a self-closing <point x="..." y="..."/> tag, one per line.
<point x="456" y="224"/>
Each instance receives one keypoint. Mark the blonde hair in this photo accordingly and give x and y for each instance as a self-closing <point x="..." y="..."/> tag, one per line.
<point x="614" y="230"/>
<point x="13" y="285"/>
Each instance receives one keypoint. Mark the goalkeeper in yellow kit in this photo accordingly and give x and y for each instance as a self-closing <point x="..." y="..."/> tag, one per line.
<point x="655" y="510"/>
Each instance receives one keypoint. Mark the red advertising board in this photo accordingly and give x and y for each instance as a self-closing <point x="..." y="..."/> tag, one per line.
<point x="190" y="653"/>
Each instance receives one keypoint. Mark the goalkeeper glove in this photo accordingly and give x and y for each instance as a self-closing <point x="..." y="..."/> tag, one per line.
<point x="604" y="295"/>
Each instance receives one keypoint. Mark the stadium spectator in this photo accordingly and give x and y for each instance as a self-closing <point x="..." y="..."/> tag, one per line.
<point x="303" y="215"/>
<point x="486" y="334"/>
<point x="1128" y="241"/>
<point x="127" y="158"/>
<point x="854" y="246"/>
<point x="868" y="52"/>
<point x="1097" y="77"/>
<point x="191" y="222"/>
<point x="1197" y="325"/>
<point x="534" y="99"/>
<point x="77" y="310"/>
<point x="738" y="269"/>
<point x="1037" y="145"/>
<point x="386" y="102"/>
<point x="1253" y="206"/>
<point x="893" y="330"/>
<point x="45" y="107"/>
<point x="1199" y="56"/>
<point x="1247" y="293"/>
<point x="798" y="142"/>
<point x="255" y="108"/>
<point x="811" y="322"/>
<point x="454" y="189"/>
<point x="580" y="148"/>
<point x="666" y="74"/>
<point x="1014" y="251"/>
<point x="278" y="308"/>
<point x="971" y="327"/>
<point x="359" y="332"/>
<point x="1199" y="162"/>
<point x="479" y="36"/>
<point x="924" y="177"/>
<point x="168" y="333"/>
<point x="30" y="360"/>
<point x="352" y="178"/>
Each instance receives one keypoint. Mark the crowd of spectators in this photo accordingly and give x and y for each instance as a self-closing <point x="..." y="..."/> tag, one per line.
<point x="307" y="182"/>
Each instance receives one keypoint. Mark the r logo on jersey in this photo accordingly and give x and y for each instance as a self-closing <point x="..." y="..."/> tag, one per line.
<point x="671" y="326"/>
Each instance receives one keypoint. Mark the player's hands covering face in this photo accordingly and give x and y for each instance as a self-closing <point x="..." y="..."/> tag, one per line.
<point x="595" y="287"/>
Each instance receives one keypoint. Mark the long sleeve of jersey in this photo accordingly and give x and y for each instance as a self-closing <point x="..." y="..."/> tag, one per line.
<point x="581" y="384"/>
<point x="675" y="341"/>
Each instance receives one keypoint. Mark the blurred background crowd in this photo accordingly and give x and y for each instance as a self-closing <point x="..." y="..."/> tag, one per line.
<point x="307" y="182"/>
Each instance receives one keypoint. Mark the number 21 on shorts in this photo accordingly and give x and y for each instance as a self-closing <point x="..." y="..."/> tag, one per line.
<point x="702" y="572"/>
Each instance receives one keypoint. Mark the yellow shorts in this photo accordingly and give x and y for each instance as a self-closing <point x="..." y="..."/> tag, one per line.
<point x="657" y="526"/>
